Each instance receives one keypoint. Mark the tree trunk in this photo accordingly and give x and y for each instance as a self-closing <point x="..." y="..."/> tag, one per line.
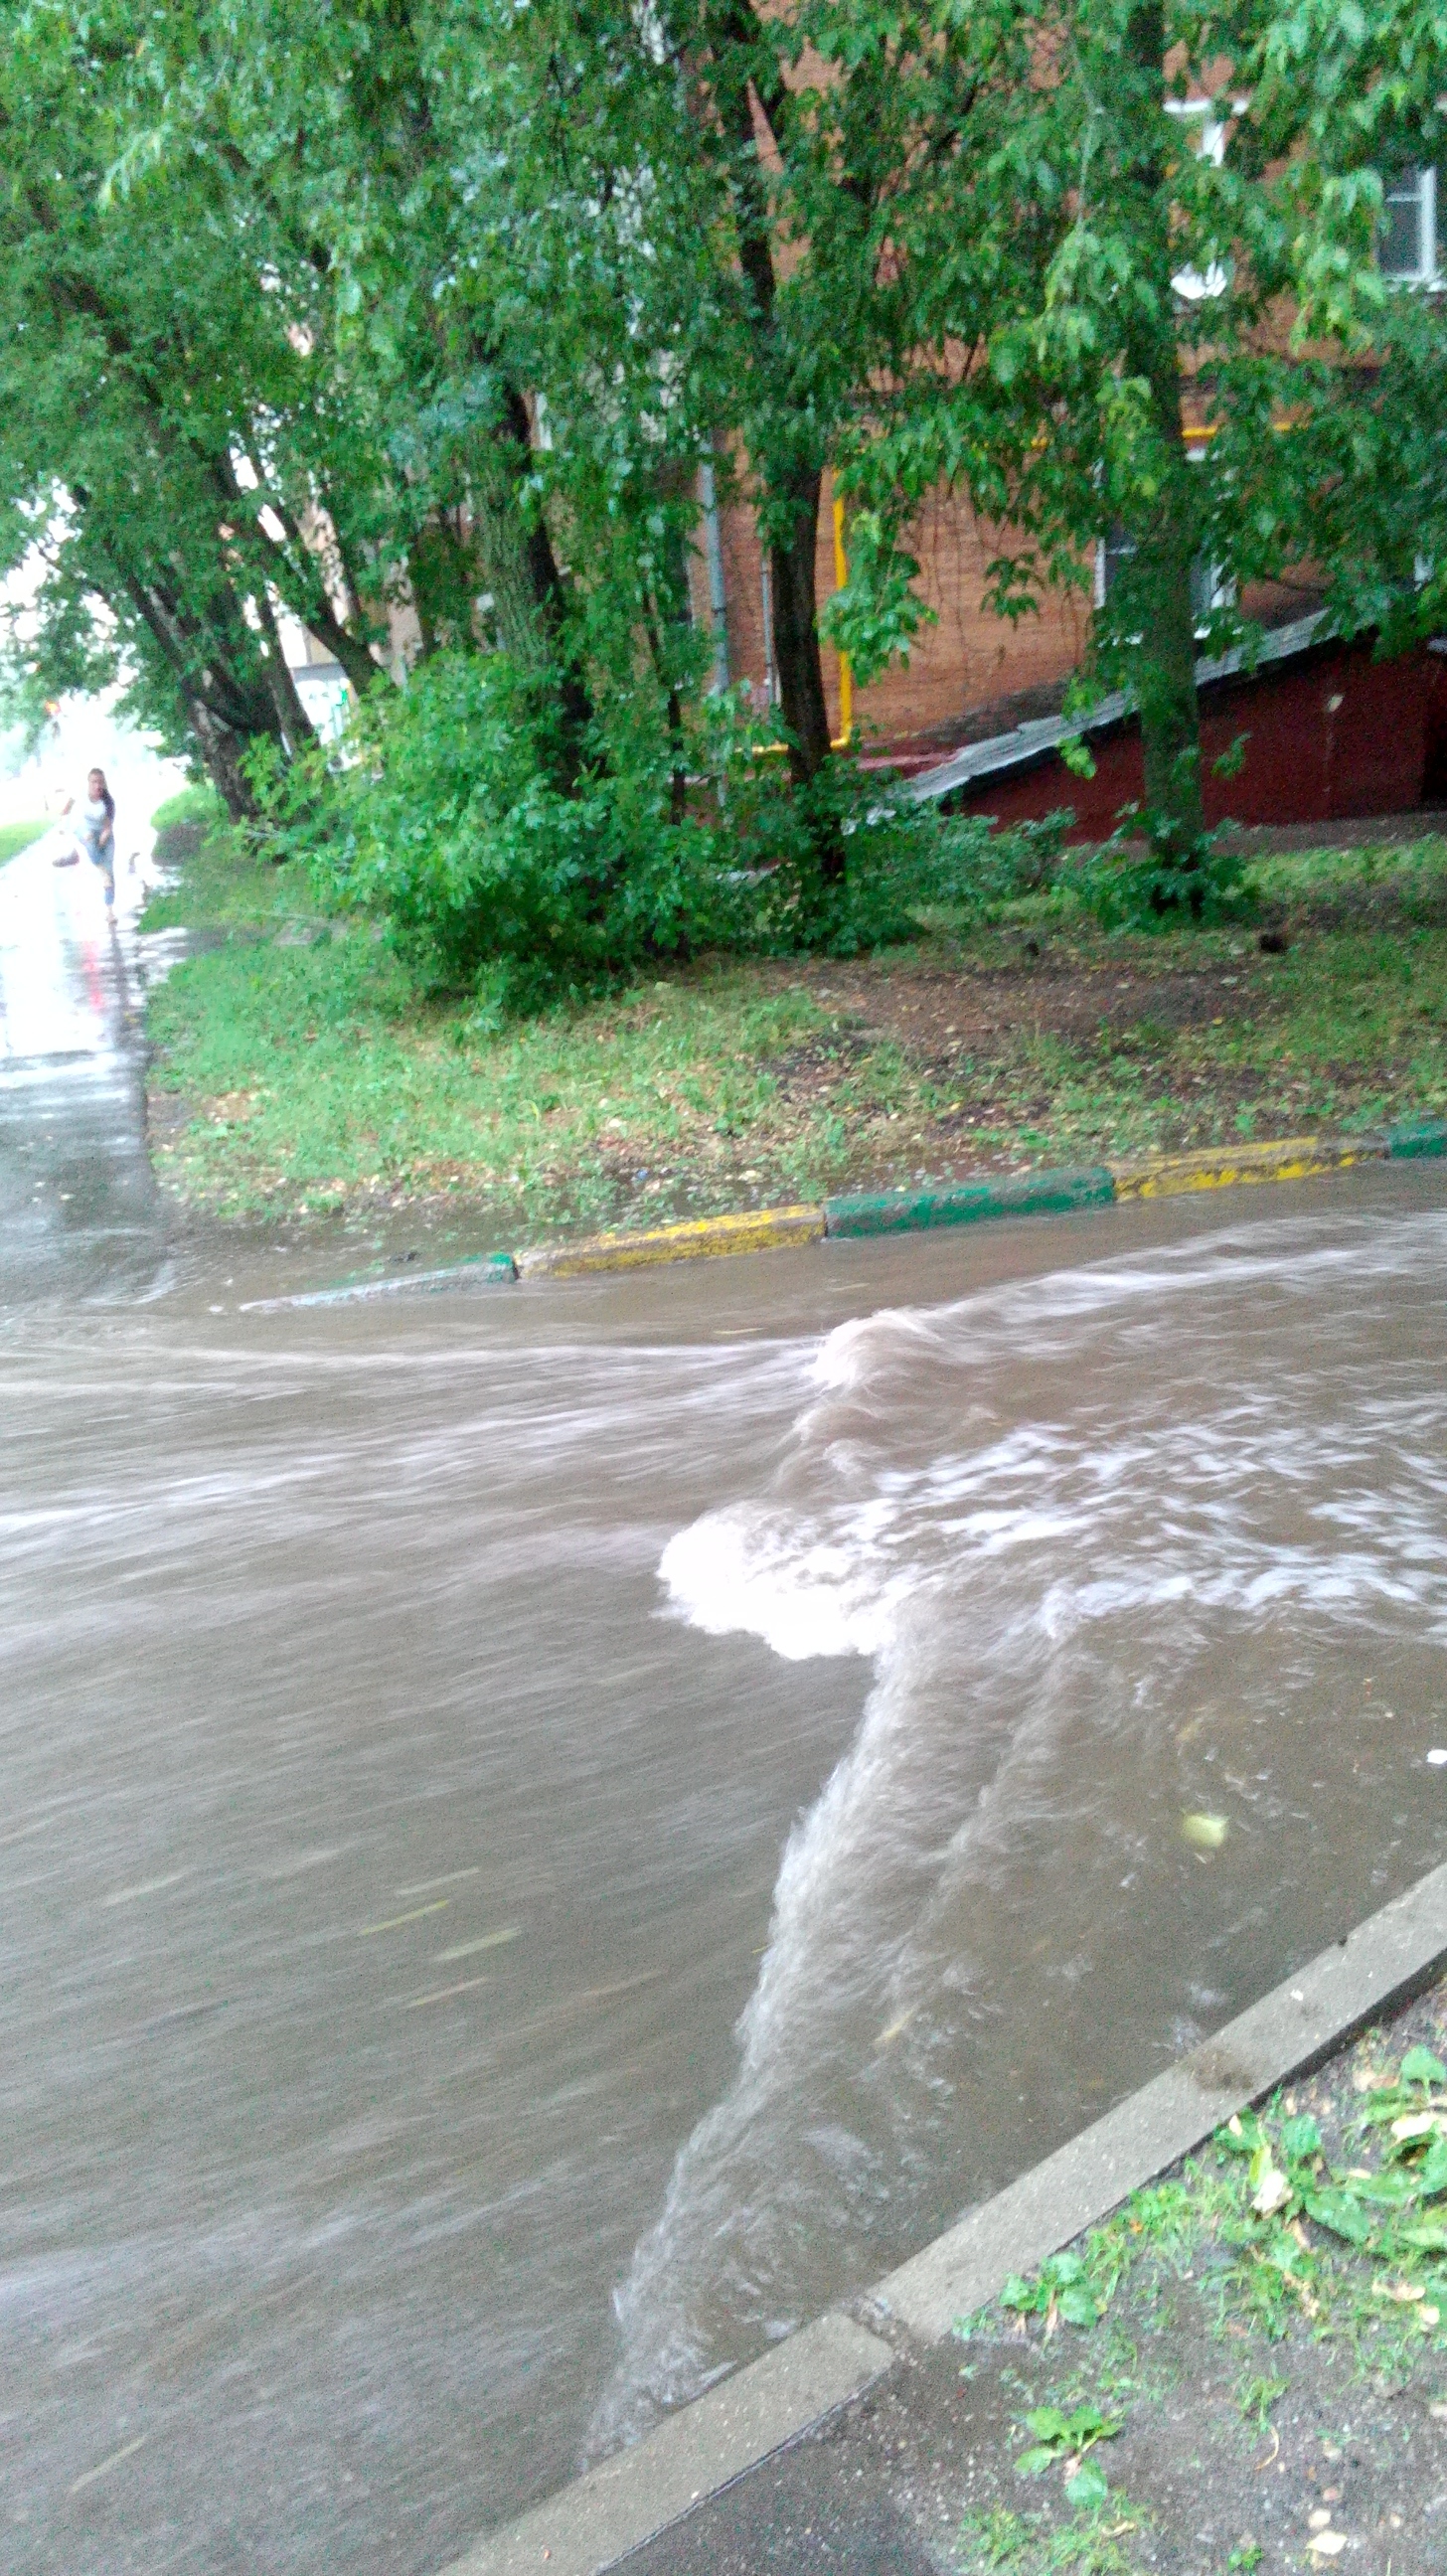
<point x="221" y="749"/>
<point x="1166" y="688"/>
<point x="796" y="635"/>
<point x="745" y="75"/>
<point x="528" y="587"/>
<point x="1160" y="586"/>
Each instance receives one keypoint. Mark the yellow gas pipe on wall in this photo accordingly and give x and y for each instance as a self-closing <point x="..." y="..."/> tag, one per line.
<point x="846" y="677"/>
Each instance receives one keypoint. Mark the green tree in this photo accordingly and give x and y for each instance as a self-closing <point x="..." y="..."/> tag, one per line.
<point x="1175" y="207"/>
<point x="805" y="125"/>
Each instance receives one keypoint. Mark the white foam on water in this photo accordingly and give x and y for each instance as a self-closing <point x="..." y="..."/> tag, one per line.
<point x="1053" y="1515"/>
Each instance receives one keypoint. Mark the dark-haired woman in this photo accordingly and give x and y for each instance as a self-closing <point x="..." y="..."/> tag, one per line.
<point x="95" y="832"/>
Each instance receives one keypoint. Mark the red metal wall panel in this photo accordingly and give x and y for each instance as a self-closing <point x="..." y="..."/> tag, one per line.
<point x="1333" y="736"/>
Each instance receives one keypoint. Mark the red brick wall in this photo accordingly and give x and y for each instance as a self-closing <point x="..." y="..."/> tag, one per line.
<point x="964" y="660"/>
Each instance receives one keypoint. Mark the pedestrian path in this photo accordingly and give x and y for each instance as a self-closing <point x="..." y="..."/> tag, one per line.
<point x="79" y="1212"/>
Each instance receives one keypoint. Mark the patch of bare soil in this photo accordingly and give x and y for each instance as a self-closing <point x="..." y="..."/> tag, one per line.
<point x="939" y="1015"/>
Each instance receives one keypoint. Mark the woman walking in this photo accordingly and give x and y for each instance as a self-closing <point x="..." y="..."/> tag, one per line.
<point x="95" y="834"/>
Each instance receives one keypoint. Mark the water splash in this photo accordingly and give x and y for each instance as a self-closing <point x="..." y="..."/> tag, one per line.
<point x="1082" y="1525"/>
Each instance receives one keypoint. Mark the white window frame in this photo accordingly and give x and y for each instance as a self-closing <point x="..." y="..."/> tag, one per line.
<point x="1220" y="589"/>
<point x="1191" y="284"/>
<point x="1416" y="187"/>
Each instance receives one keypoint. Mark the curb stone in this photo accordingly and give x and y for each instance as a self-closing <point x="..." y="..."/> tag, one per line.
<point x="970" y="1202"/>
<point x="603" y="2517"/>
<point x="481" y="1268"/>
<point x="967" y="1202"/>
<point x="1292" y="1158"/>
<point x="698" y="1238"/>
<point x="943" y="1203"/>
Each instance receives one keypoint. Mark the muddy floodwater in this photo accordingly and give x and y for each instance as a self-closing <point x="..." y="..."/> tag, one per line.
<point x="548" y="1833"/>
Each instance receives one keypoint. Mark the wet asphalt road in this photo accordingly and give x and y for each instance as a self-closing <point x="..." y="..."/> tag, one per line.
<point x="385" y="1878"/>
<point x="80" y="1217"/>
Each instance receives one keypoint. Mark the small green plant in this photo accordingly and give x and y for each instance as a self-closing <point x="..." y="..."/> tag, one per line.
<point x="1137" y="880"/>
<point x="1256" y="2394"/>
<point x="1244" y="2558"/>
<point x="1035" y="2545"/>
<point x="1069" y="2439"/>
<point x="1063" y="2287"/>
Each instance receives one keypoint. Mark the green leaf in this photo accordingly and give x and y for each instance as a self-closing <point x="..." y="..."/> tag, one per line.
<point x="1087" y="2488"/>
<point x="1384" y="2190"/>
<point x="1419" y="2066"/>
<point x="1031" y="2464"/>
<point x="1021" y="2295"/>
<point x="1430" y="2237"/>
<point x="1300" y="2137"/>
<point x="1077" y="2307"/>
<point x="1049" y="2425"/>
<point x="1337" y="2210"/>
<point x="1087" y="2424"/>
<point x="1431" y="2174"/>
<point x="1241" y="2138"/>
<point x="1063" y="2267"/>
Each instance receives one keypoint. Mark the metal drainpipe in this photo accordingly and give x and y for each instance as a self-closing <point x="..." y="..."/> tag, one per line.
<point x="718" y="607"/>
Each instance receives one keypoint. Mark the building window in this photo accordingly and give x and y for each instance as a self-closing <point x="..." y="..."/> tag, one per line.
<point x="1210" y="589"/>
<point x="1407" y="241"/>
<point x="1207" y="136"/>
<point x="1209" y="592"/>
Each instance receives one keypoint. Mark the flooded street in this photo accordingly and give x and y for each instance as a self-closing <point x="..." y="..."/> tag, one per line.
<point x="550" y="1832"/>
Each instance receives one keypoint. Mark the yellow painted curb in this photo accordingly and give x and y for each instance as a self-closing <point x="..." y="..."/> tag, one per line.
<point x="698" y="1238"/>
<point x="1289" y="1158"/>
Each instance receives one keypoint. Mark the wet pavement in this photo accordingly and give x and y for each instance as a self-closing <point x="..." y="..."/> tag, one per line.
<point x="79" y="1213"/>
<point x="550" y="1833"/>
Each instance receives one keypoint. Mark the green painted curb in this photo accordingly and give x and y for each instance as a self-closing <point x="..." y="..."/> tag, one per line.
<point x="966" y="1202"/>
<point x="1416" y="1136"/>
<point x="487" y="1267"/>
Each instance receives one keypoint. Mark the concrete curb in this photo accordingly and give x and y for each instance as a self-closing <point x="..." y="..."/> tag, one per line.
<point x="690" y="2456"/>
<point x="697" y="1239"/>
<point x="1385" y="1960"/>
<point x="1291" y="1158"/>
<point x="944" y="1203"/>
<point x="967" y="1202"/>
<point x="593" y="2524"/>
<point x="483" y="1270"/>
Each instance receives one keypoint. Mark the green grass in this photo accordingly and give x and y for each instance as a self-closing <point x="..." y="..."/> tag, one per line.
<point x="15" y="837"/>
<point x="306" y="1070"/>
<point x="215" y="881"/>
<point x="197" y="804"/>
<point x="1092" y="2543"/>
<point x="1276" y="2234"/>
<point x="324" y="1075"/>
<point x="1270" y="2241"/>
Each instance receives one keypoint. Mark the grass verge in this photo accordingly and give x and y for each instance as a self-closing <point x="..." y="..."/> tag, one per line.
<point x="297" y="1068"/>
<point x="1246" y="2366"/>
<point x="15" y="837"/>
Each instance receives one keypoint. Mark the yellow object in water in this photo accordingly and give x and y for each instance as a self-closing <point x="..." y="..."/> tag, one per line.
<point x="1207" y="1832"/>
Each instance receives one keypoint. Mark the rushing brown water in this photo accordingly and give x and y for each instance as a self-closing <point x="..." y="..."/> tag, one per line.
<point x="549" y="1833"/>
